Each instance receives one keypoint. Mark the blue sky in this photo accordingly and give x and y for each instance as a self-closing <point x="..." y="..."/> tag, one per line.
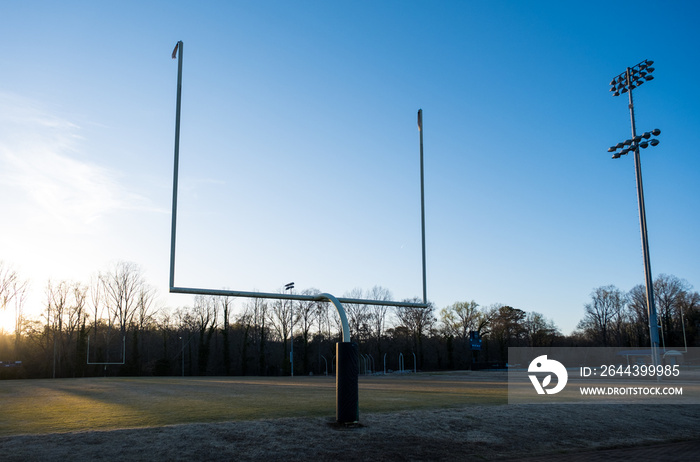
<point x="299" y="148"/>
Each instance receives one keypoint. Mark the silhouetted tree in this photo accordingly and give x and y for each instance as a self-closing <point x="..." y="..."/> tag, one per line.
<point x="506" y="328"/>
<point x="603" y="317"/>
<point x="418" y="321"/>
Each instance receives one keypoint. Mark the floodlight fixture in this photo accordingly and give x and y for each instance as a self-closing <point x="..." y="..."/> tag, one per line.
<point x="632" y="78"/>
<point x="633" y="144"/>
<point x="625" y="82"/>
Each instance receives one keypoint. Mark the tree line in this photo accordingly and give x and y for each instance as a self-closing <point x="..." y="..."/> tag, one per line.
<point x="618" y="318"/>
<point x="113" y="325"/>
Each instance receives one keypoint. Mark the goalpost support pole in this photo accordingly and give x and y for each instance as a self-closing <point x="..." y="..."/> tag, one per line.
<point x="347" y="371"/>
<point x="347" y="402"/>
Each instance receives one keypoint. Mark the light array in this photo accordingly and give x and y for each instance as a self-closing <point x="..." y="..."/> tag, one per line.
<point x="632" y="78"/>
<point x="639" y="141"/>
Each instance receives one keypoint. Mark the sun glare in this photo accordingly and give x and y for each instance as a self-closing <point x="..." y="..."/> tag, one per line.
<point x="7" y="321"/>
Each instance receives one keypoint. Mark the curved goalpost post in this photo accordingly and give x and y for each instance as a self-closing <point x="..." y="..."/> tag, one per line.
<point x="347" y="353"/>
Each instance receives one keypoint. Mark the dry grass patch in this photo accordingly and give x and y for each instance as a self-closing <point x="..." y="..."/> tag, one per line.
<point x="411" y="417"/>
<point x="69" y="405"/>
<point x="462" y="433"/>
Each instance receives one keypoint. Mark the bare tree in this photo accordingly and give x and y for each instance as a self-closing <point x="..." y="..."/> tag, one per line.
<point x="95" y="296"/>
<point x="358" y="315"/>
<point x="20" y="289"/>
<point x="57" y="304"/>
<point x="144" y="315"/>
<point x="305" y="314"/>
<point x="638" y="316"/>
<point x="418" y="321"/>
<point x="603" y="317"/>
<point x="163" y="319"/>
<point x="322" y="319"/>
<point x="674" y="301"/>
<point x="254" y="319"/>
<point x="669" y="294"/>
<point x="539" y="330"/>
<point x="377" y="314"/>
<point x="8" y="282"/>
<point x="187" y="325"/>
<point x="145" y="307"/>
<point x="205" y="313"/>
<point x="690" y="317"/>
<point x="66" y="317"/>
<point x="13" y="289"/>
<point x="280" y="316"/>
<point x="122" y="287"/>
<point x="226" y="304"/>
<point x="76" y="310"/>
<point x="77" y="327"/>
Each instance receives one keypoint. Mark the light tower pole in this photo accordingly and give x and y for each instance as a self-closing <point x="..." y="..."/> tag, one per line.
<point x="289" y="287"/>
<point x="624" y="83"/>
<point x="422" y="203"/>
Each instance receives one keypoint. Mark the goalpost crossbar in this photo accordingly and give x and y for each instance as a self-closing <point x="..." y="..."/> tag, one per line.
<point x="283" y="296"/>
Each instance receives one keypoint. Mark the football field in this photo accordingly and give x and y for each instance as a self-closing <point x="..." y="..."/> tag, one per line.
<point x="451" y="416"/>
<point x="69" y="405"/>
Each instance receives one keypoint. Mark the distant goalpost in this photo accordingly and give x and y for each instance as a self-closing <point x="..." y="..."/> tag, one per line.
<point x="347" y="353"/>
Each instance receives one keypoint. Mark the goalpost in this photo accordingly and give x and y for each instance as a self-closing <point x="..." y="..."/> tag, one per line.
<point x="347" y="353"/>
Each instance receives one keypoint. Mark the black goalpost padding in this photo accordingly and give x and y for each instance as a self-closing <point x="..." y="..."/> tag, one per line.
<point x="347" y="402"/>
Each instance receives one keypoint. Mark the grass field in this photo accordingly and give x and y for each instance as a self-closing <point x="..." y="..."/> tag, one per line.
<point x="441" y="417"/>
<point x="69" y="405"/>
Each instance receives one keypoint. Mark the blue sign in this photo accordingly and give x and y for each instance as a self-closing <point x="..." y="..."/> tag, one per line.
<point x="474" y="340"/>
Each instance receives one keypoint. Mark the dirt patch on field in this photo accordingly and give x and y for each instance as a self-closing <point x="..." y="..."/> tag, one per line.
<point x="469" y="432"/>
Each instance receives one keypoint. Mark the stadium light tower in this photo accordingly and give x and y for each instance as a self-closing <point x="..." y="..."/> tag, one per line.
<point x="627" y="81"/>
